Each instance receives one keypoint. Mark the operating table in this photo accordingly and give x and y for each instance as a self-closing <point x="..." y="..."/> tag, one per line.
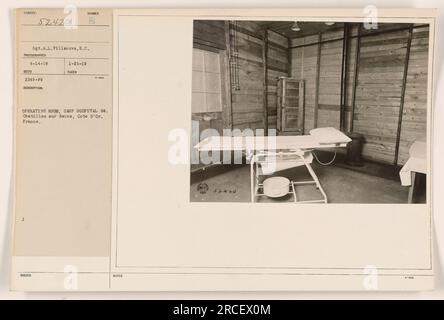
<point x="271" y="154"/>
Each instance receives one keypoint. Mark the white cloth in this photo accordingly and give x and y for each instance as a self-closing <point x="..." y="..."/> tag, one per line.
<point x="270" y="165"/>
<point x="416" y="163"/>
<point x="329" y="135"/>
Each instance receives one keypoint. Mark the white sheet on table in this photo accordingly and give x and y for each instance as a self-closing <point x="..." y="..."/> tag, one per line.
<point x="416" y="163"/>
<point x="217" y="143"/>
<point x="274" y="164"/>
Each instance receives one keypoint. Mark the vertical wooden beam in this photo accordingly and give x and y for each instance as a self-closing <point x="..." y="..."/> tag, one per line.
<point x="264" y="59"/>
<point x="318" y="72"/>
<point x="283" y="104"/>
<point x="412" y="188"/>
<point x="289" y="58"/>
<point x="279" y="104"/>
<point x="404" y="84"/>
<point x="344" y="77"/>
<point x="301" y="107"/>
<point x="228" y="111"/>
<point x="355" y="76"/>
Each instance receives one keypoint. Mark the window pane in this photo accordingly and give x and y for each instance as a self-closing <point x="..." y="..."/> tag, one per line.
<point x="206" y="82"/>
<point x="198" y="63"/>
<point x="213" y="102"/>
<point x="198" y="102"/>
<point x="212" y="62"/>
<point x="198" y="81"/>
<point x="212" y="83"/>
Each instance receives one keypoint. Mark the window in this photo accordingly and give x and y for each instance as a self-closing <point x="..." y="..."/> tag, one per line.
<point x="206" y="91"/>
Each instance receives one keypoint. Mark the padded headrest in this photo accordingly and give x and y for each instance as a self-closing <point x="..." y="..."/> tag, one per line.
<point x="329" y="135"/>
<point x="418" y="149"/>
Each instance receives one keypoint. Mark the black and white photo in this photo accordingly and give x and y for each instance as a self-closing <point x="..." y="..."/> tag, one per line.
<point x="309" y="112"/>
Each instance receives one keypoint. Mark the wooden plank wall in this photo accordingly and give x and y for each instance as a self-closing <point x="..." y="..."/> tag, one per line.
<point x="381" y="66"/>
<point x="414" y="120"/>
<point x="378" y="93"/>
<point x="330" y="81"/>
<point x="247" y="103"/>
<point x="303" y="67"/>
<point x="349" y="86"/>
<point x="378" y="89"/>
<point x="278" y="65"/>
<point x="209" y="33"/>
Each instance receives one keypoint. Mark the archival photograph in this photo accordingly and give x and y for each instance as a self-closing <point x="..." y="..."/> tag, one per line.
<point x="309" y="112"/>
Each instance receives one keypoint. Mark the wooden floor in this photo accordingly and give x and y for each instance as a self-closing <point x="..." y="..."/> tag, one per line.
<point x="340" y="184"/>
